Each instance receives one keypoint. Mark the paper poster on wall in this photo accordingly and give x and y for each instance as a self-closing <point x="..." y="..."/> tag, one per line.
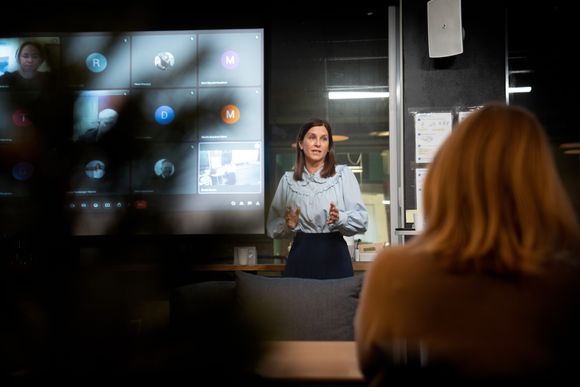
<point x="431" y="129"/>
<point x="420" y="174"/>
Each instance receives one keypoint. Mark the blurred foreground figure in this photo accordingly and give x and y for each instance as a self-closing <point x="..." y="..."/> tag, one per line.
<point x="489" y="292"/>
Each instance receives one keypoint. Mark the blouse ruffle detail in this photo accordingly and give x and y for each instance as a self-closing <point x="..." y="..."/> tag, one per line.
<point x="313" y="184"/>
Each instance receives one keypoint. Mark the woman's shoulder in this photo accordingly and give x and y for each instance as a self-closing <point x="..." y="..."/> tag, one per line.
<point x="7" y="76"/>
<point x="344" y="173"/>
<point x="342" y="169"/>
<point x="394" y="252"/>
<point x="401" y="258"/>
<point x="389" y="266"/>
<point x="390" y="257"/>
<point x="565" y="266"/>
<point x="287" y="181"/>
<point x="287" y="177"/>
<point x="15" y="80"/>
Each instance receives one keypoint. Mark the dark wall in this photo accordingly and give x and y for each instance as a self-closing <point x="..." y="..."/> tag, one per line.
<point x="441" y="84"/>
<point x="114" y="15"/>
<point x="542" y="41"/>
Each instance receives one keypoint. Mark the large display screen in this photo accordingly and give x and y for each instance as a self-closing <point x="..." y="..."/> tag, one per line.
<point x="141" y="132"/>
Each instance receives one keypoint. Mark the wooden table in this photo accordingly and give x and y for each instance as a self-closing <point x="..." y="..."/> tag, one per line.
<point x="356" y="266"/>
<point x="312" y="361"/>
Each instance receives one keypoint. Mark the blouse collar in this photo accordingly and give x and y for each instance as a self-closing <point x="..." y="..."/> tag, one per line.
<point x="314" y="182"/>
<point x="315" y="173"/>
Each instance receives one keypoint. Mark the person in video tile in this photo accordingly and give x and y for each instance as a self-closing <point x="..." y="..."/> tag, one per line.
<point x="106" y="120"/>
<point x="30" y="56"/>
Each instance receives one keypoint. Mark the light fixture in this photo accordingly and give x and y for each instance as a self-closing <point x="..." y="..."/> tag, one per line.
<point x="357" y="94"/>
<point x="381" y="133"/>
<point x="571" y="148"/>
<point x="523" y="89"/>
<point x="356" y="168"/>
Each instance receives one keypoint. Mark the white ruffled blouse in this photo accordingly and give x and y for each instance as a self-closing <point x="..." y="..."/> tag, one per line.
<point x="313" y="196"/>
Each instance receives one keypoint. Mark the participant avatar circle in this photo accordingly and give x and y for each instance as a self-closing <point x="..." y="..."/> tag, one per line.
<point x="20" y="118"/>
<point x="230" y="59"/>
<point x="22" y="171"/>
<point x="164" y="168"/>
<point x="95" y="169"/>
<point x="164" y="60"/>
<point x="96" y="62"/>
<point x="230" y="114"/>
<point x="164" y="115"/>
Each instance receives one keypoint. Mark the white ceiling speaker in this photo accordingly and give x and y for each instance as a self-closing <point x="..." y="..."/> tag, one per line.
<point x="444" y="28"/>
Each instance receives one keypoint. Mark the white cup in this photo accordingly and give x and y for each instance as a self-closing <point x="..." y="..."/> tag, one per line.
<point x="245" y="255"/>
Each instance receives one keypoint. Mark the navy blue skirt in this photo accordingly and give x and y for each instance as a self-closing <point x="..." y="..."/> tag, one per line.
<point x="318" y="255"/>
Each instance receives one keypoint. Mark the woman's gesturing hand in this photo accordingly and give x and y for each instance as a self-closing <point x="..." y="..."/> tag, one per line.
<point x="332" y="213"/>
<point x="292" y="217"/>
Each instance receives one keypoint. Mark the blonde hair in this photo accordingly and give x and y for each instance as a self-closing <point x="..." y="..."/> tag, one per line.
<point x="493" y="200"/>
